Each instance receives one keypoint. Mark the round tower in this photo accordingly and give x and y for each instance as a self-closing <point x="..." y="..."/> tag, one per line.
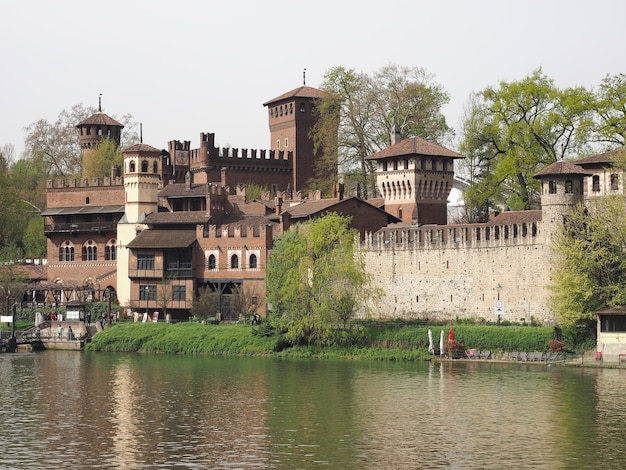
<point x="142" y="178"/>
<point x="561" y="190"/>
<point x="94" y="129"/>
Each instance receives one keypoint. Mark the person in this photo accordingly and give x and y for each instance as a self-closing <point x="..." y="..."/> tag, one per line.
<point x="37" y="332"/>
<point x="60" y="331"/>
<point x="70" y="333"/>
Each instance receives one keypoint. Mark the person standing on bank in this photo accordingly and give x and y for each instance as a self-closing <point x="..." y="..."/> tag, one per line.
<point x="70" y="333"/>
<point x="60" y="331"/>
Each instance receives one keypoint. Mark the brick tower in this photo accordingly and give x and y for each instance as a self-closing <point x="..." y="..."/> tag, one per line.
<point x="291" y="117"/>
<point x="94" y="129"/>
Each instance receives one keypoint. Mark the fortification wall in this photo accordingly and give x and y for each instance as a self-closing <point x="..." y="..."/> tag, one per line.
<point x="441" y="273"/>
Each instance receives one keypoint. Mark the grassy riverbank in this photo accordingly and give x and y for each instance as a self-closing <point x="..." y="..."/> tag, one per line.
<point x="381" y="341"/>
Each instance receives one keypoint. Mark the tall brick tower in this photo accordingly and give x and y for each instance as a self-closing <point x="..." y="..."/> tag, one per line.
<point x="94" y="129"/>
<point x="291" y="117"/>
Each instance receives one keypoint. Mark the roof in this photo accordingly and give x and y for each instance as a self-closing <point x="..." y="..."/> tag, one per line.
<point x="84" y="210"/>
<point x="179" y="217"/>
<point x="180" y="190"/>
<point x="516" y="217"/>
<point x="99" y="119"/>
<point x="603" y="158"/>
<point x="309" y="208"/>
<point x="142" y="148"/>
<point x="300" y="92"/>
<point x="562" y="167"/>
<point x="414" y="146"/>
<point x="164" y="239"/>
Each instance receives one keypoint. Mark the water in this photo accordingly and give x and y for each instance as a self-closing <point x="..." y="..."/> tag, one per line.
<point x="92" y="410"/>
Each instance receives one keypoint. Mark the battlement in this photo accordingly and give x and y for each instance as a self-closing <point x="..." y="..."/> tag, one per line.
<point x="84" y="182"/>
<point x="428" y="237"/>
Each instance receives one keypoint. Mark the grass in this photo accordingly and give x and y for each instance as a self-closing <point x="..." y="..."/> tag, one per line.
<point x="376" y="341"/>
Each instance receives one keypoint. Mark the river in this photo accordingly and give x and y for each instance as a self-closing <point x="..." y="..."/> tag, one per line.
<point x="65" y="409"/>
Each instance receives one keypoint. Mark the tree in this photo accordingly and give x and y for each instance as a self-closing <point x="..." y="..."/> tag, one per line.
<point x="610" y="125"/>
<point x="106" y="154"/>
<point x="358" y="112"/>
<point x="315" y="280"/>
<point x="34" y="240"/>
<point x="590" y="262"/>
<point x="511" y="132"/>
<point x="206" y="303"/>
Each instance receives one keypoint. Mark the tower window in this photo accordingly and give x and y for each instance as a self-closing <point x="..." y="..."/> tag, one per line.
<point x="278" y="143"/>
<point x="99" y="131"/>
<point x="253" y="261"/>
<point x="131" y="167"/>
<point x="87" y="200"/>
<point x="144" y="166"/>
<point x="212" y="263"/>
<point x="569" y="187"/>
<point x="234" y="262"/>
<point x="552" y="187"/>
<point x="614" y="182"/>
<point x="302" y="108"/>
<point x="286" y="142"/>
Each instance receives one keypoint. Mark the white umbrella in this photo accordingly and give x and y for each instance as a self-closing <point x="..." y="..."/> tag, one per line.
<point x="441" y="343"/>
<point x="431" y="348"/>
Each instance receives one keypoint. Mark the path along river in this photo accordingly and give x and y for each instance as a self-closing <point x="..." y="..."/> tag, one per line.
<point x="63" y="409"/>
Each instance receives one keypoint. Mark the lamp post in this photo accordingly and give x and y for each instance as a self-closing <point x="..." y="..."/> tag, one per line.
<point x="498" y="287"/>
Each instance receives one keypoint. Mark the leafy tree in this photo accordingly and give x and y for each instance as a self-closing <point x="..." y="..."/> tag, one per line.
<point x="512" y="131"/>
<point x="590" y="262"/>
<point x="105" y="155"/>
<point x="34" y="240"/>
<point x="315" y="281"/>
<point x="206" y="303"/>
<point x="610" y="125"/>
<point x="358" y="112"/>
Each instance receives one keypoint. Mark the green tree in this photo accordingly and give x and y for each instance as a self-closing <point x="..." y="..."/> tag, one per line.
<point x="610" y="126"/>
<point x="589" y="262"/>
<point x="358" y="112"/>
<point x="206" y="303"/>
<point x="315" y="280"/>
<point x="106" y="154"/>
<point x="34" y="240"/>
<point x="512" y="131"/>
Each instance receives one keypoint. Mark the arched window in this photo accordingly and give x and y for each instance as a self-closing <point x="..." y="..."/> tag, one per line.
<point x="90" y="251"/>
<point x="66" y="251"/>
<point x="131" y="167"/>
<point x="234" y="262"/>
<point x="154" y="167"/>
<point x="144" y="166"/>
<point x="109" y="251"/>
<point x="569" y="187"/>
<point x="614" y="182"/>
<point x="87" y="200"/>
<point x="253" y="261"/>
<point x="552" y="187"/>
<point x="212" y="263"/>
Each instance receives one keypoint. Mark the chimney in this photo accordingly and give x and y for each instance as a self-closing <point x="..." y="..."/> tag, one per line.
<point x="278" y="202"/>
<point x="396" y="135"/>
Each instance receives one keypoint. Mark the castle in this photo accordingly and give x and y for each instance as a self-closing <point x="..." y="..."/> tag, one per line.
<point x="174" y="220"/>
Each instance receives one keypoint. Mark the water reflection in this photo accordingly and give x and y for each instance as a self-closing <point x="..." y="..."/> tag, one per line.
<point x="129" y="411"/>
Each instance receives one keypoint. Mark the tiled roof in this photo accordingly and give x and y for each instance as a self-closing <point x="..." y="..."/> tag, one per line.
<point x="142" y="148"/>
<point x="180" y="217"/>
<point x="164" y="239"/>
<point x="180" y="190"/>
<point x="562" y="167"/>
<point x="308" y="208"/>
<point x="300" y="92"/>
<point x="414" y="146"/>
<point x="100" y="119"/>
<point x="84" y="210"/>
<point x="605" y="158"/>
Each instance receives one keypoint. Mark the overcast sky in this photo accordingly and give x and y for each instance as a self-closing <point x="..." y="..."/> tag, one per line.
<point x="186" y="67"/>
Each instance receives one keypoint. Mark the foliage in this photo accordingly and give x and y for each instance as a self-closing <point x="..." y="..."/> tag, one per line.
<point x="315" y="281"/>
<point x="589" y="262"/>
<point x="102" y="158"/>
<point x="512" y="131"/>
<point x="358" y="112"/>
<point x="34" y="240"/>
<point x="609" y="127"/>
<point x="206" y="303"/>
<point x="254" y="191"/>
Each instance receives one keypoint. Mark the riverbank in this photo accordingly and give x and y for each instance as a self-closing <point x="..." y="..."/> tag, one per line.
<point x="376" y="341"/>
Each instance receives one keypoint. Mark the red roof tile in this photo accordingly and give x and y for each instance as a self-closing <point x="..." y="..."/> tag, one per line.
<point x="606" y="157"/>
<point x="300" y="92"/>
<point x="414" y="146"/>
<point x="99" y="119"/>
<point x="562" y="167"/>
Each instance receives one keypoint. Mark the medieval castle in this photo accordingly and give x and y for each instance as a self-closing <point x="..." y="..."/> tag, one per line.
<point x="177" y="219"/>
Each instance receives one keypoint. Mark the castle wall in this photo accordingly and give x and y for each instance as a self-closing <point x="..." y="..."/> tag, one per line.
<point x="85" y="191"/>
<point x="459" y="271"/>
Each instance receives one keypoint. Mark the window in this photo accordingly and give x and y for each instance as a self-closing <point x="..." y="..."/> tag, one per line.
<point x="595" y="183"/>
<point x="212" y="264"/>
<point x="286" y="142"/>
<point x="614" y="182"/>
<point x="234" y="262"/>
<point x="131" y="167"/>
<point x="552" y="187"/>
<point x="154" y="167"/>
<point x="179" y="293"/>
<point x="384" y="166"/>
<point x="278" y="143"/>
<point x="253" y="261"/>
<point x="87" y="200"/>
<point x="90" y="251"/>
<point x="302" y="108"/>
<point x="406" y="164"/>
<point x="395" y="164"/>
<point x="569" y="187"/>
<point x="144" y="166"/>
<point x="145" y="261"/>
<point x="109" y="251"/>
<point x="66" y="251"/>
<point x="147" y="292"/>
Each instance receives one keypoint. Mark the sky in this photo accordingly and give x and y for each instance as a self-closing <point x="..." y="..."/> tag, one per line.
<point x="186" y="67"/>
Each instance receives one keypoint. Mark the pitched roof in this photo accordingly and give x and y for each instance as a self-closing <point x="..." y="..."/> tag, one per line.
<point x="300" y="92"/>
<point x="414" y="146"/>
<point x="179" y="217"/>
<point x="142" y="148"/>
<point x="163" y="239"/>
<point x="562" y="167"/>
<point x="99" y="119"/>
<point x="180" y="190"/>
<point x="605" y="158"/>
